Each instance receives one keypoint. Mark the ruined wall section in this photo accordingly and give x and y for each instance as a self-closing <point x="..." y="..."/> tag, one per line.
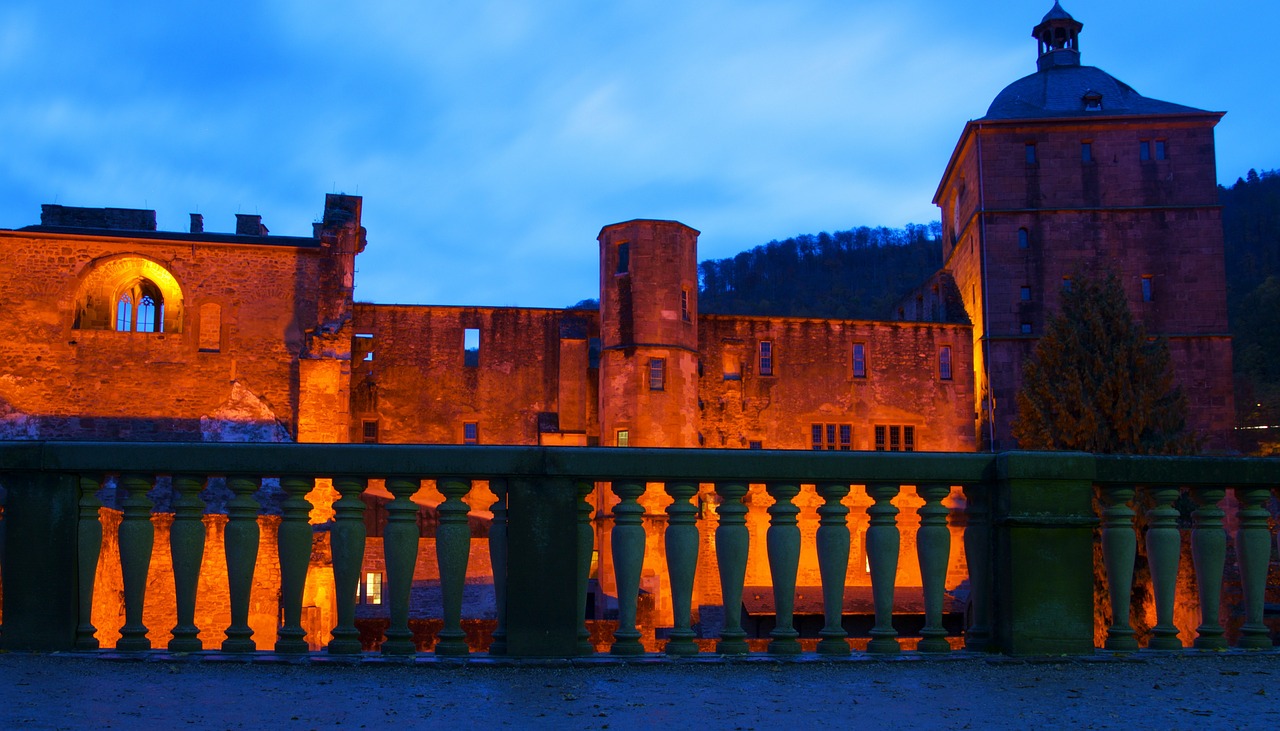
<point x="813" y="382"/>
<point x="242" y="318"/>
<point x="414" y="381"/>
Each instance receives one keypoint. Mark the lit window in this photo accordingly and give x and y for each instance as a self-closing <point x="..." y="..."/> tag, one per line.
<point x="370" y="431"/>
<point x="859" y="360"/>
<point x="1024" y="294"/>
<point x="373" y="587"/>
<point x="1030" y="153"/>
<point x="1146" y="288"/>
<point x="471" y="347"/>
<point x="624" y="437"/>
<point x="624" y="258"/>
<point x="944" y="362"/>
<point x="470" y="432"/>
<point x="1024" y="239"/>
<point x="684" y="305"/>
<point x="657" y="373"/>
<point x="766" y="358"/>
<point x="1086" y="152"/>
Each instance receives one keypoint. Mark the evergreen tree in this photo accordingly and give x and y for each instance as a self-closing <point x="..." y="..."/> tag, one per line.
<point x="1096" y="383"/>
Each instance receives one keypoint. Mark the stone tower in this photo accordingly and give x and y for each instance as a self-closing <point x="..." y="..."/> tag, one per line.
<point x="1069" y="169"/>
<point x="649" y="334"/>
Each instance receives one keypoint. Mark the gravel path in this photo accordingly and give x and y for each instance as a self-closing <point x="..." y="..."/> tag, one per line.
<point x="1192" y="691"/>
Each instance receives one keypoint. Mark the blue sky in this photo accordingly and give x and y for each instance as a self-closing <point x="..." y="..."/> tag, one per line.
<point x="492" y="139"/>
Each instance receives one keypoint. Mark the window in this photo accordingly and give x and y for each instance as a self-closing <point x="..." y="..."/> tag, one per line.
<point x="1024" y="294"/>
<point x="1146" y="288"/>
<point x="944" y="362"/>
<point x="369" y="431"/>
<point x="624" y="258"/>
<point x="755" y="445"/>
<point x="1030" y="152"/>
<point x="657" y="373"/>
<point x="146" y="314"/>
<point x="363" y="346"/>
<point x="1160" y="150"/>
<point x="470" y="432"/>
<point x="1144" y="150"/>
<point x="831" y="437"/>
<point x="624" y="437"/>
<point x="1086" y="152"/>
<point x="895" y="438"/>
<point x="124" y="313"/>
<point x="732" y="366"/>
<point x="140" y="308"/>
<point x="471" y="347"/>
<point x="684" y="305"/>
<point x="1024" y="238"/>
<point x="859" y="360"/>
<point x="1026" y="328"/>
<point x="373" y="587"/>
<point x="766" y="357"/>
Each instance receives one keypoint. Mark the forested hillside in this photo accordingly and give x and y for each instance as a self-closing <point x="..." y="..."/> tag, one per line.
<point x="855" y="274"/>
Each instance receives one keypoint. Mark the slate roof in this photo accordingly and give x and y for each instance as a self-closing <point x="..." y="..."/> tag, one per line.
<point x="1059" y="92"/>
<point x="1056" y="13"/>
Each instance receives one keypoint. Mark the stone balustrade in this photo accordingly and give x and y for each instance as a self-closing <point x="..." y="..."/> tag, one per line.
<point x="1030" y="527"/>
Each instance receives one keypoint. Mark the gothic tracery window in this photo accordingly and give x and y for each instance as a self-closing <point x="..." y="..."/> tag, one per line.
<point x="147" y="315"/>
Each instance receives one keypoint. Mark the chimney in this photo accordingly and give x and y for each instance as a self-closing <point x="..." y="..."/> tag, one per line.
<point x="197" y="223"/>
<point x="247" y="225"/>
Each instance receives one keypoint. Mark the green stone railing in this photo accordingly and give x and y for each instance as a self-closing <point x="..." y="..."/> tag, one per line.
<point x="1029" y="536"/>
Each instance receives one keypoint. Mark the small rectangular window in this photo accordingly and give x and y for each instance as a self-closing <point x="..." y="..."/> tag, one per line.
<point x="1031" y="153"/>
<point x="1160" y="150"/>
<point x="1066" y="284"/>
<point x="373" y="587"/>
<point x="880" y="438"/>
<point x="859" y="360"/>
<point x="1086" y="152"/>
<point x="846" y="437"/>
<point x="624" y="437"/>
<point x="766" y="358"/>
<point x="1024" y="294"/>
<point x="685" y="313"/>
<point x="755" y="445"/>
<point x="1024" y="238"/>
<point x="364" y="347"/>
<point x="471" y="347"/>
<point x="657" y="374"/>
<point x="895" y="439"/>
<point x="624" y="258"/>
<point x="831" y="436"/>
<point x="817" y="436"/>
<point x="370" y="431"/>
<point x="908" y="439"/>
<point x="944" y="362"/>
<point x="470" y="432"/>
<point x="1146" y="289"/>
<point x="1144" y="150"/>
<point x="1026" y="328"/>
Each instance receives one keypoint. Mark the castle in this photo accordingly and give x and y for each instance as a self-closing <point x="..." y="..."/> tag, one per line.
<point x="117" y="331"/>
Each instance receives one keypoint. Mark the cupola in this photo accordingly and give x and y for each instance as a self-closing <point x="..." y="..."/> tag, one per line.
<point x="1059" y="38"/>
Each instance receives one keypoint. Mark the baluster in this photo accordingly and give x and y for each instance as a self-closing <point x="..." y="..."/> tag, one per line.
<point x="1253" y="547"/>
<point x="1119" y="550"/>
<point x="782" y="541"/>
<point x="453" y="548"/>
<point x="186" y="545"/>
<point x="293" y="543"/>
<point x="347" y="542"/>
<point x="732" y="543"/>
<point x="1164" y="553"/>
<point x="586" y="543"/>
<point x="400" y="549"/>
<point x="883" y="543"/>
<point x="682" y="564"/>
<point x="1209" y="554"/>
<point x="628" y="559"/>
<point x="498" y="560"/>
<point x="833" y="564"/>
<point x="933" y="550"/>
<point x="241" y="543"/>
<point x="136" y="536"/>
<point x="977" y="551"/>
<point x="89" y="537"/>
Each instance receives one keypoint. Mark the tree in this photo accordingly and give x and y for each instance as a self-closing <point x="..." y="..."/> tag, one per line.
<point x="1097" y="383"/>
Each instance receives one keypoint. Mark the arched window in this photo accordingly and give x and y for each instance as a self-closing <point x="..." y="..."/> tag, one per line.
<point x="148" y="315"/>
<point x="124" y="313"/>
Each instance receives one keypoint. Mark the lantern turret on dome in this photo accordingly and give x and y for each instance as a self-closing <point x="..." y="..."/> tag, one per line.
<point x="1059" y="36"/>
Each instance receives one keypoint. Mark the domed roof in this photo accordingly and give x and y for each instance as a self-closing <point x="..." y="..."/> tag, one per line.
<point x="1056" y="13"/>
<point x="1061" y="91"/>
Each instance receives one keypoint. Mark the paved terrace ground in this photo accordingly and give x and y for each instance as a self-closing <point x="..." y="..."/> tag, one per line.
<point x="1148" y="691"/>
